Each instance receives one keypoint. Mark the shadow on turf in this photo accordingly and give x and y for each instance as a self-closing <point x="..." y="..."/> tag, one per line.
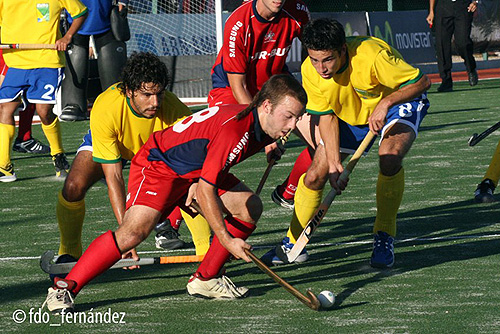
<point x="350" y="260"/>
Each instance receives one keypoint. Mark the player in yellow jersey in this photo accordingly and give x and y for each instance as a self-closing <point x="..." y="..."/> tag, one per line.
<point x="34" y="75"/>
<point x="356" y="85"/>
<point x="122" y="119"/>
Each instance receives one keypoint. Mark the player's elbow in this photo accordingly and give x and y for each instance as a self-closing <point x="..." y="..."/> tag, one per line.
<point x="426" y="82"/>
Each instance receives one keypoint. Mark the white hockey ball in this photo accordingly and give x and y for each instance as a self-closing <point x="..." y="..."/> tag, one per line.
<point x="326" y="298"/>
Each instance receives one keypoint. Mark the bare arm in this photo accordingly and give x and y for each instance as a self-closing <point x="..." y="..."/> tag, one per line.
<point x="116" y="188"/>
<point x="329" y="130"/>
<point x="62" y="44"/>
<point x="211" y="207"/>
<point x="404" y="94"/>
<point x="430" y="17"/>
<point x="238" y="85"/>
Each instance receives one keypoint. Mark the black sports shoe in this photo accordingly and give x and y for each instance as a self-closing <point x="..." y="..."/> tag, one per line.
<point x="473" y="78"/>
<point x="484" y="192"/>
<point x="60" y="164"/>
<point x="72" y="113"/>
<point x="167" y="237"/>
<point x="446" y="86"/>
<point x="7" y="174"/>
<point x="63" y="258"/>
<point x="31" y="145"/>
<point x="280" y="200"/>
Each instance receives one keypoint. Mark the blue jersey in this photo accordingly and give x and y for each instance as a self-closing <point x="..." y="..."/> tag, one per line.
<point x="98" y="18"/>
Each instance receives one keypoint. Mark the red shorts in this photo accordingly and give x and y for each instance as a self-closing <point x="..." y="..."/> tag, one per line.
<point x="158" y="187"/>
<point x="219" y="96"/>
<point x="3" y="67"/>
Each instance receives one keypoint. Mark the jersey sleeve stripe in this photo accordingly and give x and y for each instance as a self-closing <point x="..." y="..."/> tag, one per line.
<point x="296" y="21"/>
<point x="104" y="161"/>
<point x="409" y="82"/>
<point x="315" y="112"/>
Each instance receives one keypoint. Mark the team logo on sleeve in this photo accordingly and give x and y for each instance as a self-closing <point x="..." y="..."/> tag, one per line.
<point x="42" y="11"/>
<point x="232" y="38"/>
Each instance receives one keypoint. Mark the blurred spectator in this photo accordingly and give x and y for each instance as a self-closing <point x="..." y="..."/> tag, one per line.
<point x="111" y="57"/>
<point x="453" y="18"/>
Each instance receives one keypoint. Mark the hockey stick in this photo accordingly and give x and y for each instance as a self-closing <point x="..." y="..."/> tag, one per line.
<point x="320" y="213"/>
<point x="310" y="300"/>
<point x="281" y="142"/>
<point x="28" y="46"/>
<point x="476" y="138"/>
<point x="48" y="266"/>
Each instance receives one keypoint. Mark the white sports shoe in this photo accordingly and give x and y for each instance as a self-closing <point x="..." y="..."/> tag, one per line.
<point x="59" y="299"/>
<point x="215" y="288"/>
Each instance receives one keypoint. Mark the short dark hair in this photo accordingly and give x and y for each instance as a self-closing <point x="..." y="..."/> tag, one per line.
<point x="274" y="89"/>
<point x="323" y="34"/>
<point x="141" y="68"/>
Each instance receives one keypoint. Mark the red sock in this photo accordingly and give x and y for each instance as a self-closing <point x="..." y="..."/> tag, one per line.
<point x="99" y="257"/>
<point x="175" y="218"/>
<point x="217" y="255"/>
<point x="301" y="165"/>
<point x="25" y="120"/>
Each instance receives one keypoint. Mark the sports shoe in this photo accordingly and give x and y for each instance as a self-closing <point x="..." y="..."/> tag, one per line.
<point x="270" y="258"/>
<point x="63" y="258"/>
<point x="60" y="164"/>
<point x="167" y="237"/>
<point x="280" y="200"/>
<point x="31" y="145"/>
<point x="484" y="192"/>
<point x="60" y="299"/>
<point x="7" y="174"/>
<point x="473" y="78"/>
<point x="383" y="251"/>
<point x="446" y="86"/>
<point x="215" y="288"/>
<point x="72" y="113"/>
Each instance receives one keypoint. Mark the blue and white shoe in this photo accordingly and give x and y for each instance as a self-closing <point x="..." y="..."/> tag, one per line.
<point x="270" y="258"/>
<point x="383" y="251"/>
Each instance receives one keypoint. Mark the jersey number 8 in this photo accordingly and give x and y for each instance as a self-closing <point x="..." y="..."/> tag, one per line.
<point x="195" y="118"/>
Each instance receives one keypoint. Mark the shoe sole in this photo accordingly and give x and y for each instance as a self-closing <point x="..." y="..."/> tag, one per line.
<point x="201" y="296"/>
<point x="277" y="200"/>
<point x="381" y="265"/>
<point x="10" y="178"/>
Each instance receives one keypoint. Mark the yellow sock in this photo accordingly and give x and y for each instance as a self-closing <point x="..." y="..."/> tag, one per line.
<point x="389" y="195"/>
<point x="53" y="134"/>
<point x="200" y="232"/>
<point x="306" y="203"/>
<point x="70" y="217"/>
<point x="6" y="136"/>
<point x="493" y="172"/>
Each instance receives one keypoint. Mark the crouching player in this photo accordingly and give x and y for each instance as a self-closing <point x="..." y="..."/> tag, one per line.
<point x="356" y="85"/>
<point x="202" y="148"/>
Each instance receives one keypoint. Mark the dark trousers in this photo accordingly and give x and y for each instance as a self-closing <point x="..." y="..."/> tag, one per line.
<point x="452" y="19"/>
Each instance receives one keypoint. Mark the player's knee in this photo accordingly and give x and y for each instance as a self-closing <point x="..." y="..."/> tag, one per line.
<point x="390" y="164"/>
<point x="73" y="190"/>
<point x="254" y="209"/>
<point x="315" y="180"/>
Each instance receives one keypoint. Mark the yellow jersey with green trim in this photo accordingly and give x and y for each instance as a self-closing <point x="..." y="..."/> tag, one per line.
<point x="34" y="22"/>
<point x="374" y="70"/>
<point x="118" y="132"/>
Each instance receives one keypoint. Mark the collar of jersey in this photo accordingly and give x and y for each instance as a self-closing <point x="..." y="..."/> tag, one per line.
<point x="132" y="109"/>
<point x="259" y="134"/>
<point x="346" y="65"/>
<point x="260" y="18"/>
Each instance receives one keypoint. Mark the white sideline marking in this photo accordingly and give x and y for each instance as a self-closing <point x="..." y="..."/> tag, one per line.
<point x="397" y="241"/>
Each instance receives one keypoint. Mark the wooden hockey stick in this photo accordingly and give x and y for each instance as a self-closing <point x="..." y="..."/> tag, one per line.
<point x="320" y="213"/>
<point x="310" y="300"/>
<point x="28" y="46"/>
<point x="48" y="266"/>
<point x="282" y="141"/>
<point x="476" y="138"/>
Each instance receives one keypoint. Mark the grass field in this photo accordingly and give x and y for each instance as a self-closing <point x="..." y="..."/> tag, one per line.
<point x="445" y="279"/>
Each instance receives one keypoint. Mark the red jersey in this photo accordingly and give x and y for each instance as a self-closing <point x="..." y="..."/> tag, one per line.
<point x="204" y="145"/>
<point x="257" y="47"/>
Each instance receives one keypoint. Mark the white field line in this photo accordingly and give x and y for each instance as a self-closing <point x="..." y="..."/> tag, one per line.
<point x="397" y="241"/>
